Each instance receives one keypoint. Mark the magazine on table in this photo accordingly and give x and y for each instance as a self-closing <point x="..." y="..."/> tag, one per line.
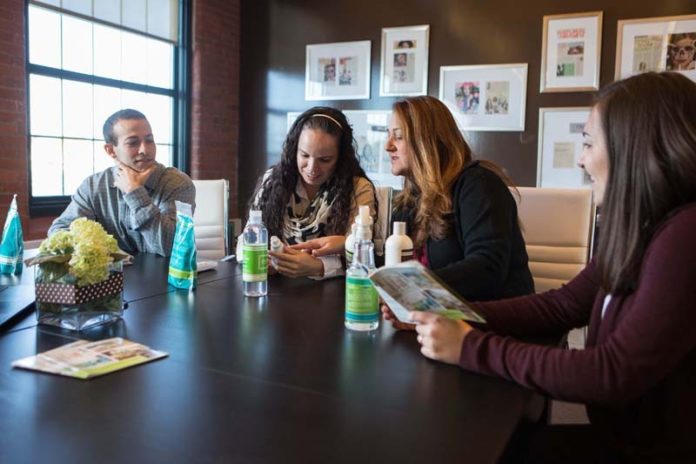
<point x="85" y="359"/>
<point x="410" y="286"/>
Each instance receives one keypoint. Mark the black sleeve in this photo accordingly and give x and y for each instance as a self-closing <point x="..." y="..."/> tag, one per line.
<point x="487" y="229"/>
<point x="399" y="215"/>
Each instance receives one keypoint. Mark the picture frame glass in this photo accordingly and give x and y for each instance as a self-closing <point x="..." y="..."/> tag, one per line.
<point x="404" y="69"/>
<point x="560" y="148"/>
<point x="338" y="71"/>
<point x="657" y="44"/>
<point x="491" y="97"/>
<point x="572" y="53"/>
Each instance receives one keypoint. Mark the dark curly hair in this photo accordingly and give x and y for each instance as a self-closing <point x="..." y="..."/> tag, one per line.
<point x="281" y="182"/>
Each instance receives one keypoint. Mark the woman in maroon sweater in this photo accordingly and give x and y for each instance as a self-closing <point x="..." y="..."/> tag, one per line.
<point x="637" y="374"/>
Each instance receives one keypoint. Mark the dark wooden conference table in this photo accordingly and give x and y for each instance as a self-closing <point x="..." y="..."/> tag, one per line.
<point x="277" y="379"/>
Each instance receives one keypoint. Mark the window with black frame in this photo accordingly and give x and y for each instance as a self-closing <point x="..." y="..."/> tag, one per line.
<point x="87" y="59"/>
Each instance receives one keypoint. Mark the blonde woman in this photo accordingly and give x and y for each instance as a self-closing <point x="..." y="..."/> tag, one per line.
<point x="460" y="213"/>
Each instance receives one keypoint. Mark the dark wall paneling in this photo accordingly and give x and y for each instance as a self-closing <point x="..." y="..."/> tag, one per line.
<point x="462" y="32"/>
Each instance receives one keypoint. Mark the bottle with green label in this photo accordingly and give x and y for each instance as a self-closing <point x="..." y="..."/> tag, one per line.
<point x="255" y="250"/>
<point x="362" y="303"/>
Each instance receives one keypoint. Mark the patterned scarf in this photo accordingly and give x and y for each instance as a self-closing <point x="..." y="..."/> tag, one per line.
<point x="305" y="219"/>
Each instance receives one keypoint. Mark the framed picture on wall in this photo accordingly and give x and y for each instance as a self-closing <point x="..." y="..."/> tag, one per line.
<point x="338" y="71"/>
<point x="370" y="133"/>
<point x="404" y="61"/>
<point x="486" y="97"/>
<point x="571" y="52"/>
<point x="560" y="146"/>
<point x="656" y="44"/>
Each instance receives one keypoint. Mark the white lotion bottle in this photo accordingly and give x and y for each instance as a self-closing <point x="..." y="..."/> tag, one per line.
<point x="399" y="246"/>
<point x="276" y="247"/>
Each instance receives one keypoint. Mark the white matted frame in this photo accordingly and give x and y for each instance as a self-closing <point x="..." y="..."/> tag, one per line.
<point x="486" y="97"/>
<point x="571" y="52"/>
<point x="656" y="44"/>
<point x="404" y="70"/>
<point x="560" y="147"/>
<point x="370" y="133"/>
<point x="338" y="71"/>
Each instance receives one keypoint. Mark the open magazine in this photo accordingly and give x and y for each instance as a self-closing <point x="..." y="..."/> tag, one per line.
<point x="84" y="359"/>
<point x="410" y="286"/>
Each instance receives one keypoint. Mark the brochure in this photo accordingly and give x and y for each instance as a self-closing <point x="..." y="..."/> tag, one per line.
<point x="410" y="286"/>
<point x="84" y="359"/>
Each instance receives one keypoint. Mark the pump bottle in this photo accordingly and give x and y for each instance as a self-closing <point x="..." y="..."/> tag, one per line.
<point x="399" y="246"/>
<point x="362" y="303"/>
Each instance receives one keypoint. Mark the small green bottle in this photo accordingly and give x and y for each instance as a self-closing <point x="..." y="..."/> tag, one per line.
<point x="255" y="249"/>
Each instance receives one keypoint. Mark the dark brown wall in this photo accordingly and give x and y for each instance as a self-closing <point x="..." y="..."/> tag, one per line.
<point x="462" y="32"/>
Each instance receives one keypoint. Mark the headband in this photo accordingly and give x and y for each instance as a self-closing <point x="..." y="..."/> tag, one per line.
<point x="321" y="115"/>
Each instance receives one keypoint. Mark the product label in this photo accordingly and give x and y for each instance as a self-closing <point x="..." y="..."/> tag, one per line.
<point x="362" y="302"/>
<point x="255" y="266"/>
<point x="406" y="255"/>
<point x="182" y="264"/>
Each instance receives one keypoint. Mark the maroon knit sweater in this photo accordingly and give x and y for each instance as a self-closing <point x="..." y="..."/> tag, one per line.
<point x="637" y="375"/>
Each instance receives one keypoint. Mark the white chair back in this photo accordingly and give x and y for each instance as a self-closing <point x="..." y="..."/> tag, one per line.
<point x="384" y="206"/>
<point x="558" y="227"/>
<point x="32" y="244"/>
<point x="210" y="218"/>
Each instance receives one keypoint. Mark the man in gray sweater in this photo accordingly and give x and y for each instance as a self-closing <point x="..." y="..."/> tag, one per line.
<point x="133" y="200"/>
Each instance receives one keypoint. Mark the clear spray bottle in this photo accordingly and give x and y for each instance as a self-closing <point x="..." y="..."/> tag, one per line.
<point x="362" y="302"/>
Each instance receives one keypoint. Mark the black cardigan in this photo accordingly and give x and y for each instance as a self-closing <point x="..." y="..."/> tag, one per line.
<point x="485" y="258"/>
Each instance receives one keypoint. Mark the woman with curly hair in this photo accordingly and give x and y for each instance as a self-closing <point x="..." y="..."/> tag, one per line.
<point x="460" y="213"/>
<point x="314" y="191"/>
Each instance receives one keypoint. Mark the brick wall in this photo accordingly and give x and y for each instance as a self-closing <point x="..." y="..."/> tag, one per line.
<point x="214" y="103"/>
<point x="215" y="93"/>
<point x="13" y="133"/>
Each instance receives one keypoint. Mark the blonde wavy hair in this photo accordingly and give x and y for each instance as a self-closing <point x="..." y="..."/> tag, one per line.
<point x="438" y="154"/>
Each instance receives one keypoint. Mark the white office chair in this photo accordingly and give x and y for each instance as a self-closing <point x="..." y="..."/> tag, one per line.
<point x="558" y="227"/>
<point x="381" y="231"/>
<point x="210" y="218"/>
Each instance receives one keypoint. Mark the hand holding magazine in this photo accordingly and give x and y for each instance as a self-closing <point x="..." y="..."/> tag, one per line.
<point x="410" y="286"/>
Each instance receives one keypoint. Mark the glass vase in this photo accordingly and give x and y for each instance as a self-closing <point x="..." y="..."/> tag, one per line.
<point x="62" y="303"/>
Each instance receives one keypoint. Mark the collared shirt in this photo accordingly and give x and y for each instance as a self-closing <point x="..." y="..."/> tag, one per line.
<point x="142" y="220"/>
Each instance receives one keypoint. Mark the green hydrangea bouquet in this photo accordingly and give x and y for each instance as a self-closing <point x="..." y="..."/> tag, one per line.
<point x="79" y="280"/>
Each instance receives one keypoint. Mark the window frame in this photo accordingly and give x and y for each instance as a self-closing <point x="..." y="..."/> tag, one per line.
<point x="180" y="94"/>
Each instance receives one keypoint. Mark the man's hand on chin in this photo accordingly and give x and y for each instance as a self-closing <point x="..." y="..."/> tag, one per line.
<point x="129" y="179"/>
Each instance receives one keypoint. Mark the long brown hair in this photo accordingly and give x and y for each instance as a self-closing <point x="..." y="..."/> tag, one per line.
<point x="281" y="182"/>
<point x="649" y="122"/>
<point x="439" y="153"/>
